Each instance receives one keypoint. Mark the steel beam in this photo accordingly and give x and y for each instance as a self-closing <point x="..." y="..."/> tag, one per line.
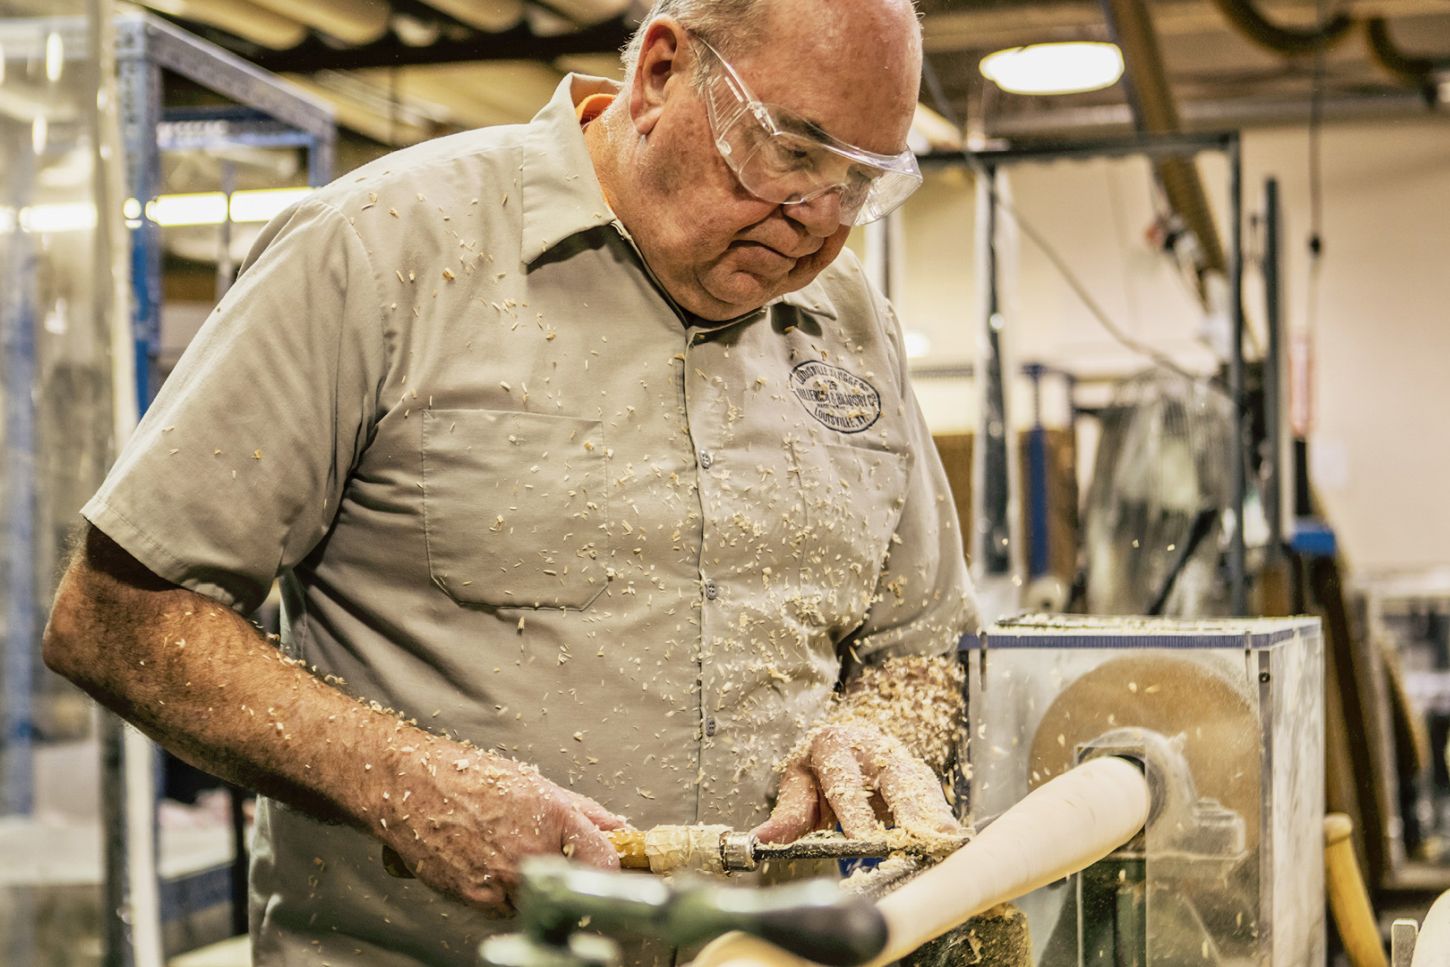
<point x="519" y="43"/>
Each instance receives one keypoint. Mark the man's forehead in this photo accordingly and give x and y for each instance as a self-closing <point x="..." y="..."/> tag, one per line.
<point x="868" y="106"/>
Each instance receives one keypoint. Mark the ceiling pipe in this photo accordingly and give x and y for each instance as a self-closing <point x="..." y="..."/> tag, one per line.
<point x="351" y="21"/>
<point x="246" y="20"/>
<point x="1411" y="71"/>
<point x="1109" y="119"/>
<point x="365" y="111"/>
<point x="511" y="90"/>
<point x="472" y="96"/>
<point x="487" y="15"/>
<point x="1146" y="81"/>
<point x="1247" y="20"/>
<point x="582" y="13"/>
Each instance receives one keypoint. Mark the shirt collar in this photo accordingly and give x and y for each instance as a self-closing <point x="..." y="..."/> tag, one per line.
<point x="561" y="196"/>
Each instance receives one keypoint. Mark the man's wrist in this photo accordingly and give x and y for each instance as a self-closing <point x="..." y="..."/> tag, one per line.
<point x="918" y="699"/>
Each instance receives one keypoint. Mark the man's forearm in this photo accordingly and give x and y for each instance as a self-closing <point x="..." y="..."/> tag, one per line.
<point x="917" y="699"/>
<point x="206" y="684"/>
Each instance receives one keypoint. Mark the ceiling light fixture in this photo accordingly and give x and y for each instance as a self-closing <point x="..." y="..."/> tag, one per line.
<point x="168" y="211"/>
<point x="1065" y="68"/>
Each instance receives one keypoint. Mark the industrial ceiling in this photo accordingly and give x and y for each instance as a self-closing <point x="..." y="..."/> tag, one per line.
<point x="401" y="70"/>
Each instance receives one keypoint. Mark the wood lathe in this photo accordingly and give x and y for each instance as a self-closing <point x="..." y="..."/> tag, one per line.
<point x="1060" y="828"/>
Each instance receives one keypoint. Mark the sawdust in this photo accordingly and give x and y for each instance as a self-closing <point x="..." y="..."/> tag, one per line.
<point x="997" y="938"/>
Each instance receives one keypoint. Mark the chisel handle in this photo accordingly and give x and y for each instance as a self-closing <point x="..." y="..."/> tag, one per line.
<point x="628" y="843"/>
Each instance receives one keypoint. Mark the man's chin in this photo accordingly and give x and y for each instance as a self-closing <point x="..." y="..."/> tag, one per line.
<point x="736" y="294"/>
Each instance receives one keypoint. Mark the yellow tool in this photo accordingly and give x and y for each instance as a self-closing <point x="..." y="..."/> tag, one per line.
<point x="720" y="849"/>
<point x="1348" y="899"/>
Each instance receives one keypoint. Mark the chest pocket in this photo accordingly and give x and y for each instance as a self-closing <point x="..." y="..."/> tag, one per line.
<point x="514" y="510"/>
<point x="853" y="500"/>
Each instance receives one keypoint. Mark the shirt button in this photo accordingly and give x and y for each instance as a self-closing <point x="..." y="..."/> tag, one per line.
<point x="706" y="458"/>
<point x="712" y="590"/>
<point x="710" y="725"/>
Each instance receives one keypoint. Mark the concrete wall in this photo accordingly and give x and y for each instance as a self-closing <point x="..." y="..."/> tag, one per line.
<point x="1379" y="313"/>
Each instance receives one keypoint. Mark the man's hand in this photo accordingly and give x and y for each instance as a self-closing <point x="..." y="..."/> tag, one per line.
<point x="854" y="772"/>
<point x="464" y="823"/>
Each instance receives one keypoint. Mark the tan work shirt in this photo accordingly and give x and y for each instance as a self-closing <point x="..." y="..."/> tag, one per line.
<point x="514" y="493"/>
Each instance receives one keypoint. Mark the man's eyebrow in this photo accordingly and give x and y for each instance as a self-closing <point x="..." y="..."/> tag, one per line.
<point x="803" y="125"/>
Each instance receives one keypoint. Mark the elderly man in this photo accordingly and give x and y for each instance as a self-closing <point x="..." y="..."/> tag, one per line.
<point x="594" y="479"/>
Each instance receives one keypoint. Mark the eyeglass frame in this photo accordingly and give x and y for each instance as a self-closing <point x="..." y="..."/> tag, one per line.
<point x="900" y="168"/>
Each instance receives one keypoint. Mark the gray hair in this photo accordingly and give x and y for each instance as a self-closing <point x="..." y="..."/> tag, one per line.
<point x="725" y="24"/>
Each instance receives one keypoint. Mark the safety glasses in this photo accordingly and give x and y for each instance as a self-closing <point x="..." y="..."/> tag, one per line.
<point x="780" y="157"/>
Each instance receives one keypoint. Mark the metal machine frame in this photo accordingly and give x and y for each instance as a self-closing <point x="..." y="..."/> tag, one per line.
<point x="986" y="162"/>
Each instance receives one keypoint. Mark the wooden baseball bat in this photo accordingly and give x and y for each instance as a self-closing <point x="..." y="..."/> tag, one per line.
<point x="1061" y="827"/>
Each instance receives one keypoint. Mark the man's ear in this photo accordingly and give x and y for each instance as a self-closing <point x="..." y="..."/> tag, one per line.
<point x="659" y="63"/>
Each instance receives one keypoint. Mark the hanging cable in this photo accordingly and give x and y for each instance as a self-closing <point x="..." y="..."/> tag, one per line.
<point x="1316" y="175"/>
<point x="1080" y="290"/>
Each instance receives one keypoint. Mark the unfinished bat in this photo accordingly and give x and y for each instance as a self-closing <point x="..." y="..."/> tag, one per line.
<point x="1061" y="827"/>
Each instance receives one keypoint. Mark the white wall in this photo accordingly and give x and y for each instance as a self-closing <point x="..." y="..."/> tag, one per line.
<point x="1381" y="331"/>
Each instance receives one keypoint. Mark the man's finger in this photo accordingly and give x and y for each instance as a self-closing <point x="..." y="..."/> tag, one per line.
<point x="596" y="813"/>
<point x="795" y="810"/>
<point x="914" y="796"/>
<point x="583" y="841"/>
<point x="490" y="899"/>
<point x="497" y="906"/>
<point x="840" y="777"/>
<point x="826" y="816"/>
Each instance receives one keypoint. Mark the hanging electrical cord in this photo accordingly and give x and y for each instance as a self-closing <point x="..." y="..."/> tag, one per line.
<point x="943" y="106"/>
<point x="1316" y="171"/>
<point x="1080" y="290"/>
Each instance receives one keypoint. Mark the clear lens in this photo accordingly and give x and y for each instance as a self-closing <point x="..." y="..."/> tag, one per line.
<point x="774" y="162"/>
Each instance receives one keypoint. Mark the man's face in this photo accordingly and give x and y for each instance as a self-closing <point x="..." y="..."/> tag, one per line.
<point x="716" y="248"/>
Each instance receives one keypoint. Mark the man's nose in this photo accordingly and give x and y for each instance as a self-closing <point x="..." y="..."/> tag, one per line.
<point x="821" y="216"/>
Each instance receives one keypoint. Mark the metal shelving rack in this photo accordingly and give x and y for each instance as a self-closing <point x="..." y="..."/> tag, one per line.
<point x="266" y="112"/>
<point x="269" y="113"/>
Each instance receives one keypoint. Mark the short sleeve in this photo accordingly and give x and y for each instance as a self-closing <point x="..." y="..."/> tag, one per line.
<point x="924" y="601"/>
<point x="236" y="471"/>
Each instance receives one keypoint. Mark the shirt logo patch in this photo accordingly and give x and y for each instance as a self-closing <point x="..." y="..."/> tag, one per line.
<point x="840" y="400"/>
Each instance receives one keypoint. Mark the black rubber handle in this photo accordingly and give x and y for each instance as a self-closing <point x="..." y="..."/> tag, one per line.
<point x="845" y="933"/>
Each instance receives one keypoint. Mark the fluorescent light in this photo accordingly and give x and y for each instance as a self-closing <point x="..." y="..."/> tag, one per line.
<point x="201" y="208"/>
<point x="1068" y="68"/>
<point x="168" y="211"/>
<point x="54" y="57"/>
<point x="47" y="219"/>
<point x="264" y="205"/>
<point x="210" y="207"/>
